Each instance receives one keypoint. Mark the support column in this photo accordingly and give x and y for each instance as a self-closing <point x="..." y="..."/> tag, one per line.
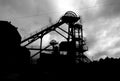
<point x="40" y="45"/>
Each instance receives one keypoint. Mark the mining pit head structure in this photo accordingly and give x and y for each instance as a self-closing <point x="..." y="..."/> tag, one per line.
<point x="72" y="50"/>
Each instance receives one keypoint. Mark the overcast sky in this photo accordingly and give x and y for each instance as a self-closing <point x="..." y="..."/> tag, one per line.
<point x="101" y="20"/>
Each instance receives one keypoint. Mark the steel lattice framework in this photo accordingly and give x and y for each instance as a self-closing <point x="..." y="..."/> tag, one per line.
<point x="74" y="39"/>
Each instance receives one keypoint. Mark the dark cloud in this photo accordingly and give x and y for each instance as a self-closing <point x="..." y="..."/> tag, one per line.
<point x="24" y="8"/>
<point x="107" y="18"/>
<point x="5" y="2"/>
<point x="18" y="6"/>
<point x="109" y="8"/>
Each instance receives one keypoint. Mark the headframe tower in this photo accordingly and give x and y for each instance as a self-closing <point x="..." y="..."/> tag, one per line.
<point x="75" y="44"/>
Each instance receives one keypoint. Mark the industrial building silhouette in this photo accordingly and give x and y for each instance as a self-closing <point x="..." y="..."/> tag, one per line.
<point x="72" y="49"/>
<point x="15" y="55"/>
